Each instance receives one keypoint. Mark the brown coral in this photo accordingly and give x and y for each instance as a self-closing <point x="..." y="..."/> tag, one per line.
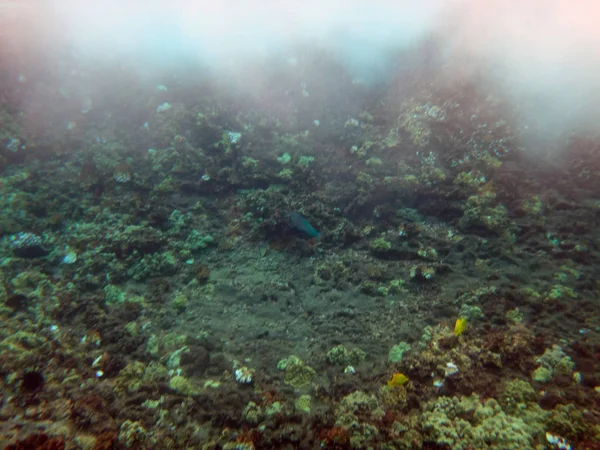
<point x="202" y="273"/>
<point x="105" y="440"/>
<point x="89" y="412"/>
<point x="334" y="437"/>
<point x="515" y="345"/>
<point x="38" y="442"/>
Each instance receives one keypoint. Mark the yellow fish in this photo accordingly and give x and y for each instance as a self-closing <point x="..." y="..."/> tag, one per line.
<point x="460" y="326"/>
<point x="398" y="379"/>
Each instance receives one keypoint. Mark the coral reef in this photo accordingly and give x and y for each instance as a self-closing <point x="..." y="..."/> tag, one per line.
<point x="321" y="264"/>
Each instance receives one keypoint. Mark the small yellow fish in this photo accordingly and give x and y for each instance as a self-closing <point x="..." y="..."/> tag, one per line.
<point x="398" y="379"/>
<point x="460" y="326"/>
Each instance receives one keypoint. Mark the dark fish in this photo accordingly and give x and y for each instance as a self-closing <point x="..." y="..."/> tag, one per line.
<point x="301" y="224"/>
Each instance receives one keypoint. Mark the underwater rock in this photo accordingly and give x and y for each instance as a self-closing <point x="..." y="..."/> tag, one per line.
<point x="27" y="245"/>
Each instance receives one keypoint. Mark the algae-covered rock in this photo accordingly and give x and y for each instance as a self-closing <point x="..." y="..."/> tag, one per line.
<point x="570" y="422"/>
<point x="253" y="413"/>
<point x="284" y="159"/>
<point x="290" y="360"/>
<point x="552" y="356"/>
<point x="153" y="345"/>
<point x="466" y="423"/>
<point x="196" y="241"/>
<point x="359" y="400"/>
<point x="156" y="264"/>
<point x="155" y="372"/>
<point x="298" y="375"/>
<point x="356" y="414"/>
<point x="173" y="361"/>
<point x="305" y="161"/>
<point x="554" y="361"/>
<point x="285" y="174"/>
<point x="180" y="302"/>
<point x="515" y="316"/>
<point x="516" y="393"/>
<point x="470" y="312"/>
<point x="273" y="409"/>
<point x="129" y="378"/>
<point x="132" y="434"/>
<point x="303" y="404"/>
<point x="340" y="355"/>
<point x="542" y="374"/>
<point x="182" y="385"/>
<point x="498" y="430"/>
<point x="380" y="245"/>
<point x="397" y="352"/>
